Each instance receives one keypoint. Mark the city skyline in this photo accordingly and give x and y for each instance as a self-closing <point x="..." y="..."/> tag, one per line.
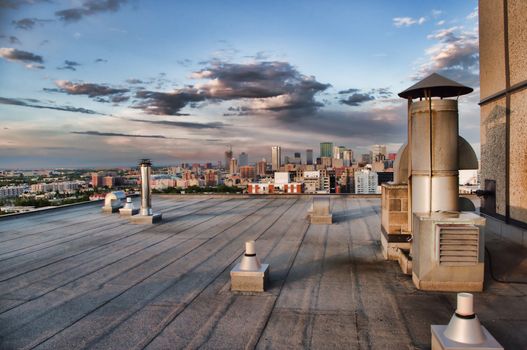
<point x="105" y="85"/>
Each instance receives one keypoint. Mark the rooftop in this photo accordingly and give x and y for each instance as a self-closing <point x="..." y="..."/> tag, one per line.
<point x="74" y="277"/>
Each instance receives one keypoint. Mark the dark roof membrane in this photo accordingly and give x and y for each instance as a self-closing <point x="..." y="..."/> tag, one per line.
<point x="436" y="85"/>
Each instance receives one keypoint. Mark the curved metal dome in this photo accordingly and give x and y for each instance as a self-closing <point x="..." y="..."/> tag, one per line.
<point x="438" y="86"/>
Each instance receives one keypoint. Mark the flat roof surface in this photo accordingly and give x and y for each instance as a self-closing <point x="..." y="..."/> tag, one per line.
<point x="75" y="277"/>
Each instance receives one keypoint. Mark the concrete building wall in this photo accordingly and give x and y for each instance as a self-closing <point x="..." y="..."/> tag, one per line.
<point x="493" y="149"/>
<point x="503" y="78"/>
<point x="517" y="18"/>
<point x="518" y="155"/>
<point x="491" y="45"/>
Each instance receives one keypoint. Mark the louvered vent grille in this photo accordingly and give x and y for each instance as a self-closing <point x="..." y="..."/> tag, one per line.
<point x="458" y="245"/>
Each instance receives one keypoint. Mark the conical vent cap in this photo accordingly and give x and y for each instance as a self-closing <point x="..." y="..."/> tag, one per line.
<point x="437" y="86"/>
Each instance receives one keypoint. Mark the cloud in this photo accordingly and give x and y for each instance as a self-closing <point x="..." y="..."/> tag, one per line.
<point x="382" y="92"/>
<point x="436" y="13"/>
<point x="364" y="127"/>
<point x="33" y="103"/>
<point x="185" y="62"/>
<point x="119" y="98"/>
<point x="135" y="81"/>
<point x="349" y="91"/>
<point x="30" y="59"/>
<point x="89" y="8"/>
<point x="69" y="65"/>
<point x="456" y="55"/>
<point x="266" y="86"/>
<point x="189" y="125"/>
<point x="407" y="21"/>
<point x="117" y="134"/>
<point x="166" y="103"/>
<point x="13" y="40"/>
<point x="89" y="89"/>
<point x="29" y="23"/>
<point x="100" y="60"/>
<point x="440" y="23"/>
<point x="15" y="4"/>
<point x="12" y="54"/>
<point x="357" y="99"/>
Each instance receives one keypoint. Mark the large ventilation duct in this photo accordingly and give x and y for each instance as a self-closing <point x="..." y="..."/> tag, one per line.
<point x="447" y="246"/>
<point x="434" y="161"/>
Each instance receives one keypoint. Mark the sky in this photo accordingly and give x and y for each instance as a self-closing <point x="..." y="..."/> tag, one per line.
<point x="94" y="83"/>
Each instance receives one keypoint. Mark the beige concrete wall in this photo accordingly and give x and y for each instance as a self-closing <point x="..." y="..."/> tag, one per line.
<point x="394" y="216"/>
<point x="517" y="13"/>
<point x="491" y="45"/>
<point x="493" y="148"/>
<point x="518" y="154"/>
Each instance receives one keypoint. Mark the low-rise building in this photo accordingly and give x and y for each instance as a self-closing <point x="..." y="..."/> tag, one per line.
<point x="260" y="188"/>
<point x="12" y="191"/>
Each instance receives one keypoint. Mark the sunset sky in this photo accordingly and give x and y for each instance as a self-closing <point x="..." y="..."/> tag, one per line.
<point x="106" y="82"/>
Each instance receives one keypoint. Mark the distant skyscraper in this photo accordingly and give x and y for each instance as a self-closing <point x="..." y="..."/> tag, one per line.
<point x="326" y="149"/>
<point x="326" y="162"/>
<point x="297" y="159"/>
<point x="261" y="167"/>
<point x="233" y="166"/>
<point x="309" y="156"/>
<point x="228" y="157"/>
<point x="338" y="152"/>
<point x="243" y="159"/>
<point x="276" y="157"/>
<point x="378" y="153"/>
<point x="347" y="156"/>
<point x="366" y="158"/>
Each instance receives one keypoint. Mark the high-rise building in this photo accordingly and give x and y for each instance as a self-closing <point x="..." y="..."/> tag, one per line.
<point x="347" y="156"/>
<point x="366" y="158"/>
<point x="378" y="153"/>
<point x="243" y="159"/>
<point x="276" y="157"/>
<point x="261" y="167"/>
<point x="211" y="177"/>
<point x="309" y="156"/>
<point x="228" y="157"/>
<point x="338" y="152"/>
<point x="326" y="149"/>
<point x="247" y="172"/>
<point x="326" y="162"/>
<point x="297" y="158"/>
<point x="366" y="181"/>
<point x="233" y="166"/>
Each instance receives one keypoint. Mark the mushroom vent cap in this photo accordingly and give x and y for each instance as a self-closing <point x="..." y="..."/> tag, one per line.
<point x="435" y="85"/>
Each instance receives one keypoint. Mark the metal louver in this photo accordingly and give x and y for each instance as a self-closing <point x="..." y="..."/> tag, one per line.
<point x="458" y="245"/>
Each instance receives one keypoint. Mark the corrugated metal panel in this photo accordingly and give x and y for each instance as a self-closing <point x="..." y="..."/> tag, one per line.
<point x="458" y="245"/>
